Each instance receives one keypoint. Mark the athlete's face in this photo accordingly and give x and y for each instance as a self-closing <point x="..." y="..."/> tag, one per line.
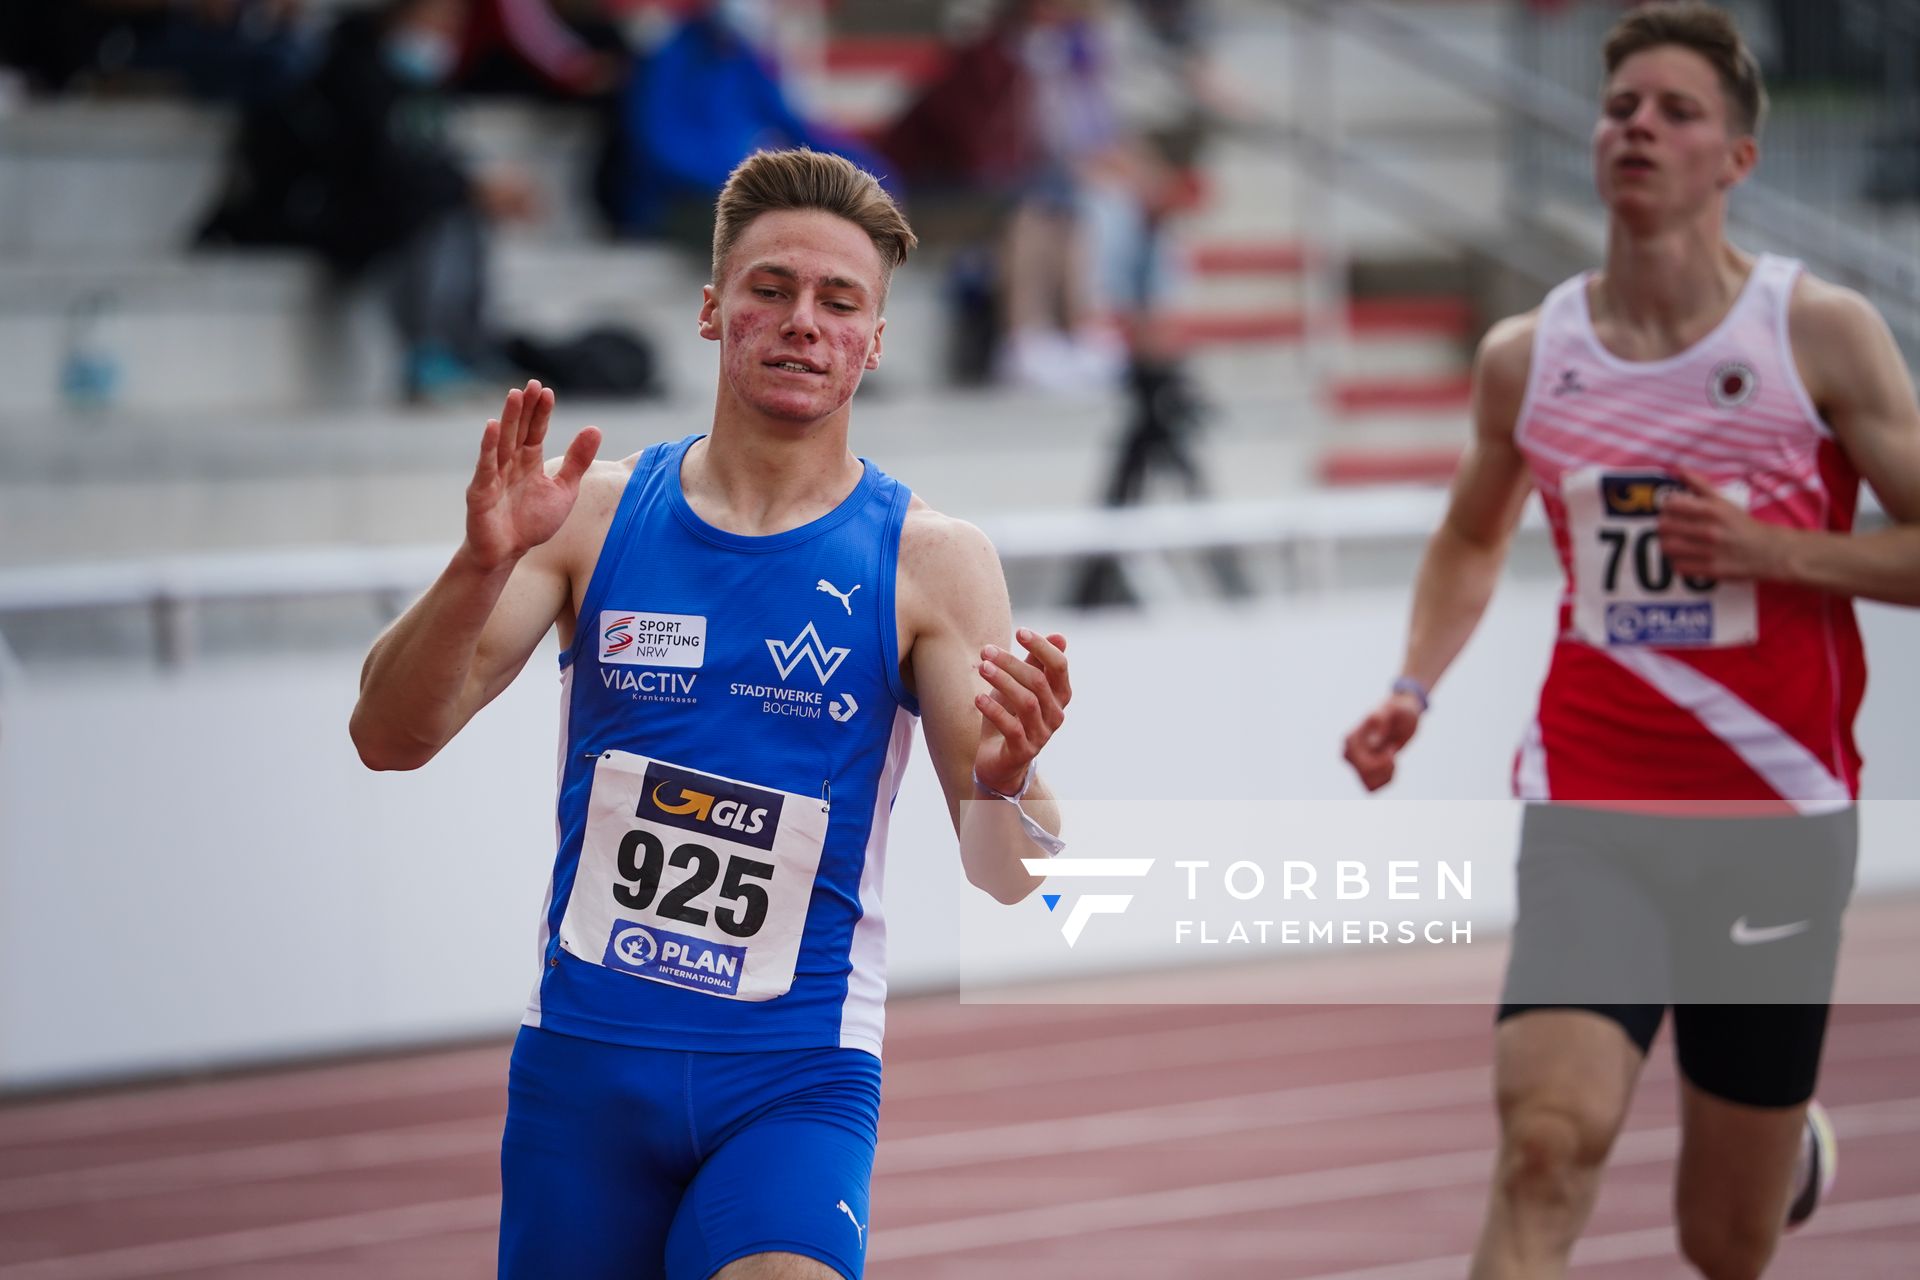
<point x="1665" y="146"/>
<point x="797" y="315"/>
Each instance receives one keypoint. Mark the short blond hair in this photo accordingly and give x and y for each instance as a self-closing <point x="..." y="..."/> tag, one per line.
<point x="772" y="181"/>
<point x="1708" y="31"/>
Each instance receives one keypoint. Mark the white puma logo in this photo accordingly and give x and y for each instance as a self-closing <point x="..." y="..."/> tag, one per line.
<point x="843" y="1204"/>
<point x="844" y="597"/>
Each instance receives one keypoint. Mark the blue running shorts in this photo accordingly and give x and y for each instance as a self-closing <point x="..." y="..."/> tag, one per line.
<point x="660" y="1164"/>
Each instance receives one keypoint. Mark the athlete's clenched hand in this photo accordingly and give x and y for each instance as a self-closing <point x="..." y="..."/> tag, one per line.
<point x="513" y="505"/>
<point x="1376" y="741"/>
<point x="1707" y="535"/>
<point x="1028" y="703"/>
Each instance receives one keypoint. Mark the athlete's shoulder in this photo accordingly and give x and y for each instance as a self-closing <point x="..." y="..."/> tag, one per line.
<point x="1838" y="338"/>
<point x="1502" y="366"/>
<point x="943" y="548"/>
<point x="586" y="526"/>
<point x="602" y="484"/>
<point x="1820" y="309"/>
<point x="1506" y="350"/>
<point x="950" y="580"/>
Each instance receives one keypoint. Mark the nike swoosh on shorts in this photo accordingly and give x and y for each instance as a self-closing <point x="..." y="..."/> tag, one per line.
<point x="1745" y="935"/>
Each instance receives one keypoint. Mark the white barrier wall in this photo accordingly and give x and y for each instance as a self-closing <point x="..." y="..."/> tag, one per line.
<point x="195" y="868"/>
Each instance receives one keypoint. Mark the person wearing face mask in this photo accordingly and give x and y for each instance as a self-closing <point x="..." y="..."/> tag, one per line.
<point x="356" y="164"/>
<point x="1697" y="421"/>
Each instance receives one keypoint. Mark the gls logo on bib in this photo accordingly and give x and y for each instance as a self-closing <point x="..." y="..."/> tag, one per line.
<point x="710" y="806"/>
<point x="1636" y="494"/>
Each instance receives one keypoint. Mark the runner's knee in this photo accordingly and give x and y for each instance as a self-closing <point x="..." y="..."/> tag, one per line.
<point x="1723" y="1246"/>
<point x="1549" y="1150"/>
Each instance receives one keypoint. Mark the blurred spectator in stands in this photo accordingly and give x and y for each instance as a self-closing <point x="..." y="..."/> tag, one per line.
<point x="699" y="102"/>
<point x="1024" y="120"/>
<point x="220" y="50"/>
<point x="1173" y="99"/>
<point x="356" y="164"/>
<point x="972" y="131"/>
<point x="967" y="148"/>
<point x="558" y="49"/>
<point x="1084" y="260"/>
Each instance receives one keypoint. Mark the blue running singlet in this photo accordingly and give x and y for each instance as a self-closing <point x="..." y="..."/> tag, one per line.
<point x="734" y="732"/>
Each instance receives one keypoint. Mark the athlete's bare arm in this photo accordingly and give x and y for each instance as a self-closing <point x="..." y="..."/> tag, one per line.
<point x="987" y="709"/>
<point x="511" y="578"/>
<point x="1464" y="557"/>
<point x="1859" y="383"/>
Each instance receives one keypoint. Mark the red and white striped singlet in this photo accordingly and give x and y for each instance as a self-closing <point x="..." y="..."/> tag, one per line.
<point x="1663" y="689"/>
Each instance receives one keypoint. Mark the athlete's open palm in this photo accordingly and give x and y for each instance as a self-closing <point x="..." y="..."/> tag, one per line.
<point x="1028" y="703"/>
<point x="513" y="504"/>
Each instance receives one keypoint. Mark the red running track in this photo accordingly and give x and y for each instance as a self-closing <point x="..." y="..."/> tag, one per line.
<point x="1296" y="1143"/>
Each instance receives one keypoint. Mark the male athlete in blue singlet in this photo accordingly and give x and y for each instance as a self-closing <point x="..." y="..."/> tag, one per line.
<point x="750" y="622"/>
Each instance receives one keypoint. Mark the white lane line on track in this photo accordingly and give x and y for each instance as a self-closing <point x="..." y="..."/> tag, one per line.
<point x="1179" y="1121"/>
<point x="950" y="1149"/>
<point x="1143" y="1051"/>
<point x="1167" y="1122"/>
<point x="306" y="1089"/>
<point x="1138" y="1126"/>
<point x="257" y="1244"/>
<point x="485" y="1069"/>
<point x="481" y="1069"/>
<point x="1185" y="1204"/>
<point x="1658" y="1242"/>
<point x="196" y="1170"/>
<point x="1291" y="1191"/>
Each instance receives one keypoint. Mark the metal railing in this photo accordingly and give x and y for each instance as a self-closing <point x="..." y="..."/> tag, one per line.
<point x="1145" y="542"/>
<point x="1309" y="532"/>
<point x="1551" y="122"/>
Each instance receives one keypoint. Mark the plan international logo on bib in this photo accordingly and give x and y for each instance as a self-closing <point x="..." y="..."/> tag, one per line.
<point x="653" y="952"/>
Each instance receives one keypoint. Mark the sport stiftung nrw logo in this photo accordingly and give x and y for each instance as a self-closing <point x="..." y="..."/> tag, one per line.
<point x="1087" y="906"/>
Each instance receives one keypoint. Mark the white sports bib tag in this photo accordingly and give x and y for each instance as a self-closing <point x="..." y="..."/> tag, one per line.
<point x="1626" y="592"/>
<point x="692" y="879"/>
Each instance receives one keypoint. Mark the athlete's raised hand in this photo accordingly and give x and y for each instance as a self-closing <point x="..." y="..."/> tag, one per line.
<point x="1707" y="535"/>
<point x="1376" y="741"/>
<point x="513" y="504"/>
<point x="1028" y="703"/>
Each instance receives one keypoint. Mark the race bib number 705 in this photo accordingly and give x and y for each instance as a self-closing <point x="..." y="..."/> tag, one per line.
<point x="1626" y="591"/>
<point x="693" y="879"/>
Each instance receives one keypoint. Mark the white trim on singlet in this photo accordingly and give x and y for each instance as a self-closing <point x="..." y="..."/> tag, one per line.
<point x="1790" y="272"/>
<point x="1794" y="773"/>
<point x="1530" y="769"/>
<point x="1750" y="290"/>
<point x="1536" y="367"/>
<point x="532" y="1016"/>
<point x="863" y="1014"/>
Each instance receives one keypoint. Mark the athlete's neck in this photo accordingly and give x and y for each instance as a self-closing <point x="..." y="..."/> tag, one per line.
<point x="760" y="478"/>
<point x="1662" y="292"/>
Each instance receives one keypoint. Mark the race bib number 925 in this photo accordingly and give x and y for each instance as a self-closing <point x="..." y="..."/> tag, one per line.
<point x="693" y="879"/>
